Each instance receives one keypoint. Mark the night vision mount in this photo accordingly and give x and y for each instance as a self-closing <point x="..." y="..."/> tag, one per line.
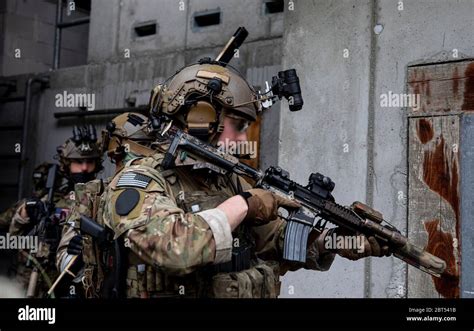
<point x="84" y="137"/>
<point x="286" y="84"/>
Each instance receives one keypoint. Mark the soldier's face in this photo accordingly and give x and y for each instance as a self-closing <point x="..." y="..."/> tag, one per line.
<point x="235" y="130"/>
<point x="82" y="165"/>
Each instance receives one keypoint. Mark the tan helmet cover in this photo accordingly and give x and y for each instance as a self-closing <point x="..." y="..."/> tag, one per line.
<point x="128" y="132"/>
<point x="236" y="95"/>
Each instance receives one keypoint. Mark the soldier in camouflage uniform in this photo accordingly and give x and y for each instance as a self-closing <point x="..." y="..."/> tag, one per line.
<point x="80" y="161"/>
<point x="6" y="217"/>
<point x="127" y="137"/>
<point x="189" y="231"/>
<point x="39" y="189"/>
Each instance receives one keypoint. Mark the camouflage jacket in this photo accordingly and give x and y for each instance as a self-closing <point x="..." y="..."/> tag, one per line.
<point x="86" y="202"/>
<point x="20" y="226"/>
<point x="174" y="233"/>
<point x="7" y="215"/>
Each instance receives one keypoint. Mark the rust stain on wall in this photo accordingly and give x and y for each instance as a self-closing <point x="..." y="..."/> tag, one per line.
<point x="455" y="81"/>
<point x="426" y="83"/>
<point x="440" y="244"/>
<point x="468" y="102"/>
<point x="440" y="173"/>
<point x="416" y="88"/>
<point x="424" y="130"/>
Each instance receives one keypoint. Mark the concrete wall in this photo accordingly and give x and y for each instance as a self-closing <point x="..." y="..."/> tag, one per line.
<point x="175" y="27"/>
<point x="342" y="105"/>
<point x="335" y="92"/>
<point x="11" y="122"/>
<point x="28" y="25"/>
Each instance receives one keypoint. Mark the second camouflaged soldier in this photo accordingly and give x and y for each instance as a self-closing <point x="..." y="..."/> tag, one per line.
<point x="190" y="231"/>
<point x="40" y="174"/>
<point x="127" y="137"/>
<point x="79" y="161"/>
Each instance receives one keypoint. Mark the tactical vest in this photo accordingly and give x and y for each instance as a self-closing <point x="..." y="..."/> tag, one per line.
<point x="243" y="277"/>
<point x="96" y="261"/>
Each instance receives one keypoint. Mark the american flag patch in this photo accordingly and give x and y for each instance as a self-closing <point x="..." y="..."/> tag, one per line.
<point x="132" y="179"/>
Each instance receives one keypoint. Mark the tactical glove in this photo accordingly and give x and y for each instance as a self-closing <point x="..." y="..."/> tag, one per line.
<point x="75" y="245"/>
<point x="35" y="210"/>
<point x="263" y="206"/>
<point x="366" y="246"/>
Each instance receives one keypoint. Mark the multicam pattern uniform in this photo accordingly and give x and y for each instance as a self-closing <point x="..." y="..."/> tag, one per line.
<point x="172" y="247"/>
<point x="18" y="227"/>
<point x="86" y="202"/>
<point x="7" y="215"/>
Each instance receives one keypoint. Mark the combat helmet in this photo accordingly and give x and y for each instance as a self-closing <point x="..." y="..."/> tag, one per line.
<point x="40" y="175"/>
<point x="82" y="145"/>
<point x="199" y="95"/>
<point x="127" y="133"/>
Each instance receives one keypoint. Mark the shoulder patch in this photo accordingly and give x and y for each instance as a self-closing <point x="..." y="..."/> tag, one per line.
<point x="133" y="179"/>
<point x="126" y="201"/>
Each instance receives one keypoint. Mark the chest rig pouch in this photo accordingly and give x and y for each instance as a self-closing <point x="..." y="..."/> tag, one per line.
<point x="193" y="197"/>
<point x="259" y="281"/>
<point x="244" y="276"/>
<point x="87" y="201"/>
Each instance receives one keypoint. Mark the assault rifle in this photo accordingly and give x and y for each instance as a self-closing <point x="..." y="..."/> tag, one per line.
<point x="317" y="204"/>
<point x="47" y="230"/>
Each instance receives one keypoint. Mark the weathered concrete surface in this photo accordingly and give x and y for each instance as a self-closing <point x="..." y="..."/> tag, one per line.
<point x="28" y="26"/>
<point x="343" y="109"/>
<point x="330" y="134"/>
<point x="406" y="38"/>
<point x="175" y="26"/>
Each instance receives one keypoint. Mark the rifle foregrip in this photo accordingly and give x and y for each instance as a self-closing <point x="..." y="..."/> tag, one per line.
<point x="419" y="258"/>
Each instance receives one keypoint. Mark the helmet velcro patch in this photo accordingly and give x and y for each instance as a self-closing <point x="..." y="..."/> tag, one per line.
<point x="127" y="201"/>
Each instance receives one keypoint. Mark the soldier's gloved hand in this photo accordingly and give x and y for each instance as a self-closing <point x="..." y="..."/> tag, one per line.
<point x="365" y="246"/>
<point x="75" y="245"/>
<point x="263" y="205"/>
<point x="35" y="209"/>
